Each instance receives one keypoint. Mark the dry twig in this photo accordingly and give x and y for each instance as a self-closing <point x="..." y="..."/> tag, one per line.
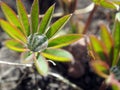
<point x="15" y="64"/>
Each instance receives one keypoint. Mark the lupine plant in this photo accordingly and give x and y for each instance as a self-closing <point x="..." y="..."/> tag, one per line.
<point x="105" y="52"/>
<point x="36" y="40"/>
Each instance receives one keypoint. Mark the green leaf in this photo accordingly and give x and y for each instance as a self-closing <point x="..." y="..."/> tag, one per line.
<point x="108" y="4"/>
<point x="117" y="2"/>
<point x="41" y="66"/>
<point x="107" y="39"/>
<point x="96" y="1"/>
<point x="116" y="36"/>
<point x="12" y="31"/>
<point x="27" y="57"/>
<point x="35" y="16"/>
<point x="23" y="17"/>
<point x="57" y="26"/>
<point x="99" y="48"/>
<point x="15" y="45"/>
<point x="10" y="15"/>
<point x="101" y="68"/>
<point x="58" y="55"/>
<point x="64" y="40"/>
<point x="46" y="20"/>
<point x="115" y="87"/>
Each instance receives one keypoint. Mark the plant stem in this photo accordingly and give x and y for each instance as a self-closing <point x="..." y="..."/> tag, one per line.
<point x="61" y="78"/>
<point x="89" y="19"/>
<point x="15" y="64"/>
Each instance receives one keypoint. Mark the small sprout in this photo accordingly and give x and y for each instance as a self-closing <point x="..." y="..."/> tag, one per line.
<point x="107" y="50"/>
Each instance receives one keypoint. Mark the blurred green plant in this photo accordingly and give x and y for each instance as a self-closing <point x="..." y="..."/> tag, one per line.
<point x="34" y="39"/>
<point x="105" y="53"/>
<point x="111" y="4"/>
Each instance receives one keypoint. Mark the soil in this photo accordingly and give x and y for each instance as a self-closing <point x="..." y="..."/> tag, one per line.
<point x="80" y="73"/>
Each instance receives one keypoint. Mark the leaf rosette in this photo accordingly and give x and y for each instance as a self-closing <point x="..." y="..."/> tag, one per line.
<point x="28" y="35"/>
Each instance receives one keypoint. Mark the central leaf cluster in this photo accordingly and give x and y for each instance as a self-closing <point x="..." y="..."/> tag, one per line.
<point x="37" y="43"/>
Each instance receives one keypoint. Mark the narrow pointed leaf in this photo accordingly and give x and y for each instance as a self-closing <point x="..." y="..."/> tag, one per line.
<point x="10" y="15"/>
<point x="116" y="36"/>
<point x="108" y="4"/>
<point x="101" y="68"/>
<point x="57" y="26"/>
<point x="107" y="38"/>
<point x="117" y="2"/>
<point x="23" y="17"/>
<point x="64" y="40"/>
<point x="12" y="31"/>
<point x="35" y="16"/>
<point x="58" y="55"/>
<point x="41" y="66"/>
<point x="46" y="20"/>
<point x="99" y="48"/>
<point x="115" y="87"/>
<point x="15" y="45"/>
<point x="96" y="1"/>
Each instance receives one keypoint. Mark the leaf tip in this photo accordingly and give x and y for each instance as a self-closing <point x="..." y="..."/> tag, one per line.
<point x="71" y="14"/>
<point x="54" y="4"/>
